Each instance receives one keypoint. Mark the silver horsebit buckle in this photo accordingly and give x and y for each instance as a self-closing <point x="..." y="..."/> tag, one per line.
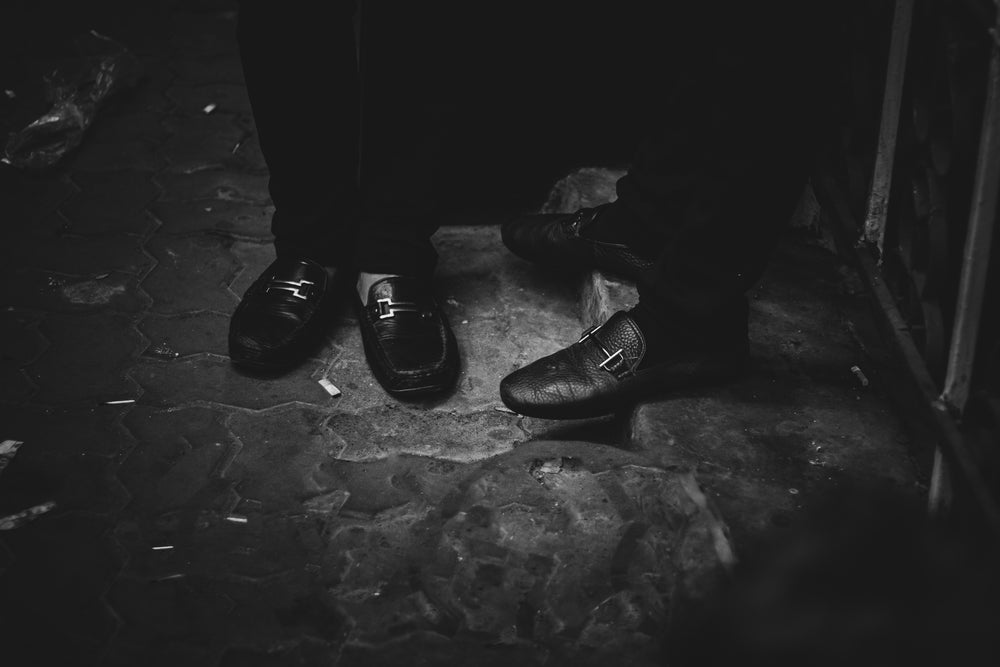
<point x="386" y="308"/>
<point x="615" y="369"/>
<point x="297" y="288"/>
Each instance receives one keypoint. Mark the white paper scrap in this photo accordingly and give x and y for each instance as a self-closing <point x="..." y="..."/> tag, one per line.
<point x="329" y="386"/>
<point x="209" y="108"/>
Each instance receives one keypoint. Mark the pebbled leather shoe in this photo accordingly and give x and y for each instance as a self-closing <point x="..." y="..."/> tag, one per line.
<point x="560" y="240"/>
<point x="282" y="316"/>
<point x="603" y="372"/>
<point x="408" y="343"/>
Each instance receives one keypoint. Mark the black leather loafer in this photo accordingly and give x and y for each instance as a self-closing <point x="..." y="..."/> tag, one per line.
<point x="603" y="373"/>
<point x="282" y="317"/>
<point x="559" y="240"/>
<point x="408" y="343"/>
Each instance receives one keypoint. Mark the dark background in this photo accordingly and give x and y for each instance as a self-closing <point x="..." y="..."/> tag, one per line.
<point x="529" y="90"/>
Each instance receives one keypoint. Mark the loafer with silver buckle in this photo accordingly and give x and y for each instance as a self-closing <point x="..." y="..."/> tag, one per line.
<point x="559" y="240"/>
<point x="603" y="373"/>
<point x="408" y="343"/>
<point x="282" y="317"/>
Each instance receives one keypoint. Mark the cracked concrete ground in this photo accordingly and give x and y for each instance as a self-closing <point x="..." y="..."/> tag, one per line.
<point x="204" y="517"/>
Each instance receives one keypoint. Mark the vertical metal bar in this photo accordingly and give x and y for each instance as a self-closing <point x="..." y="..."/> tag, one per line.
<point x="939" y="494"/>
<point x="878" y="195"/>
<point x="978" y="243"/>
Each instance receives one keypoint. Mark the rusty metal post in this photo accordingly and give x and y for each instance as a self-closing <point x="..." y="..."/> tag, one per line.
<point x="978" y="243"/>
<point x="878" y="195"/>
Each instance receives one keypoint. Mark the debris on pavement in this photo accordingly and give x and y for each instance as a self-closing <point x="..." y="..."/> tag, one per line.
<point x="164" y="547"/>
<point x="77" y="90"/>
<point x="209" y="108"/>
<point x="12" y="521"/>
<point x="858" y="373"/>
<point x="10" y="94"/>
<point x="236" y="518"/>
<point x="500" y="408"/>
<point x="163" y="351"/>
<point x="8" y="448"/>
<point x="119" y="402"/>
<point x="329" y="386"/>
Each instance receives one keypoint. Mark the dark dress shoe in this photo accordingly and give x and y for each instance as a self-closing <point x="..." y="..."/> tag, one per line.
<point x="408" y="343"/>
<point x="604" y="372"/>
<point x="282" y="317"/>
<point x="559" y="241"/>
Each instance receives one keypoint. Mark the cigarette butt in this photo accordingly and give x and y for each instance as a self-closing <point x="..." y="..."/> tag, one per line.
<point x="121" y="402"/>
<point x="10" y="94"/>
<point x="209" y="108"/>
<point x="862" y="378"/>
<point x="236" y="518"/>
<point x="329" y="386"/>
<point x="164" y="547"/>
<point x="500" y="408"/>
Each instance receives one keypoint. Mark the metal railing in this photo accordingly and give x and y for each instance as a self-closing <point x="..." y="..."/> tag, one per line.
<point x="932" y="185"/>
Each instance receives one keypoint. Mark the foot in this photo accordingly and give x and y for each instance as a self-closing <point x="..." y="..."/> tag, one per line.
<point x="282" y="316"/>
<point x="608" y="370"/>
<point x="408" y="343"/>
<point x="561" y="240"/>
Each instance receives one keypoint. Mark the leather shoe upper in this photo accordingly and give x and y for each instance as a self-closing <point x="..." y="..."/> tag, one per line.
<point x="604" y="372"/>
<point x="281" y="315"/>
<point x="560" y="240"/>
<point x="408" y="343"/>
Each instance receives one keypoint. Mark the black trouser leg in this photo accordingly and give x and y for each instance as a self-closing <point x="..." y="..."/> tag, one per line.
<point x="718" y="177"/>
<point x="302" y="79"/>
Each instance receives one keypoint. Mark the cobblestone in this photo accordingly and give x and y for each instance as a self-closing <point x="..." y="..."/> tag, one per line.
<point x="237" y="219"/>
<point x="111" y="202"/>
<point x="87" y="360"/>
<point x="191" y="274"/>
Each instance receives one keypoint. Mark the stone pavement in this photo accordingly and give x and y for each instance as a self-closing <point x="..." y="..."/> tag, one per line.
<point x="188" y="514"/>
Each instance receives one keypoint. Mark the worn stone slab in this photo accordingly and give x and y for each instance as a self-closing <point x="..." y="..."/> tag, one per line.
<point x="148" y="95"/>
<point x="253" y="258"/>
<point x="191" y="274"/>
<point x="29" y="200"/>
<point x="228" y="98"/>
<point x="772" y="441"/>
<point x="111" y="202"/>
<point x="200" y="142"/>
<point x="204" y="34"/>
<point x="79" y="255"/>
<point x="62" y="566"/>
<point x="393" y="429"/>
<point x="173" y="336"/>
<point x="177" y="465"/>
<point x="139" y="156"/>
<point x="214" y="380"/>
<point x="209" y="69"/>
<point x="248" y="157"/>
<point x="237" y="219"/>
<point x="224" y="184"/>
<point x="87" y="360"/>
<point x="282" y="451"/>
<point x="74" y="480"/>
<point x="495" y="563"/>
<point x="166" y="622"/>
<point x="62" y="293"/>
<point x="92" y="432"/>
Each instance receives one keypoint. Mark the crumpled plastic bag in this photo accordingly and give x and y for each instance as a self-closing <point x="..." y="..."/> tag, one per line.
<point x="76" y="92"/>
